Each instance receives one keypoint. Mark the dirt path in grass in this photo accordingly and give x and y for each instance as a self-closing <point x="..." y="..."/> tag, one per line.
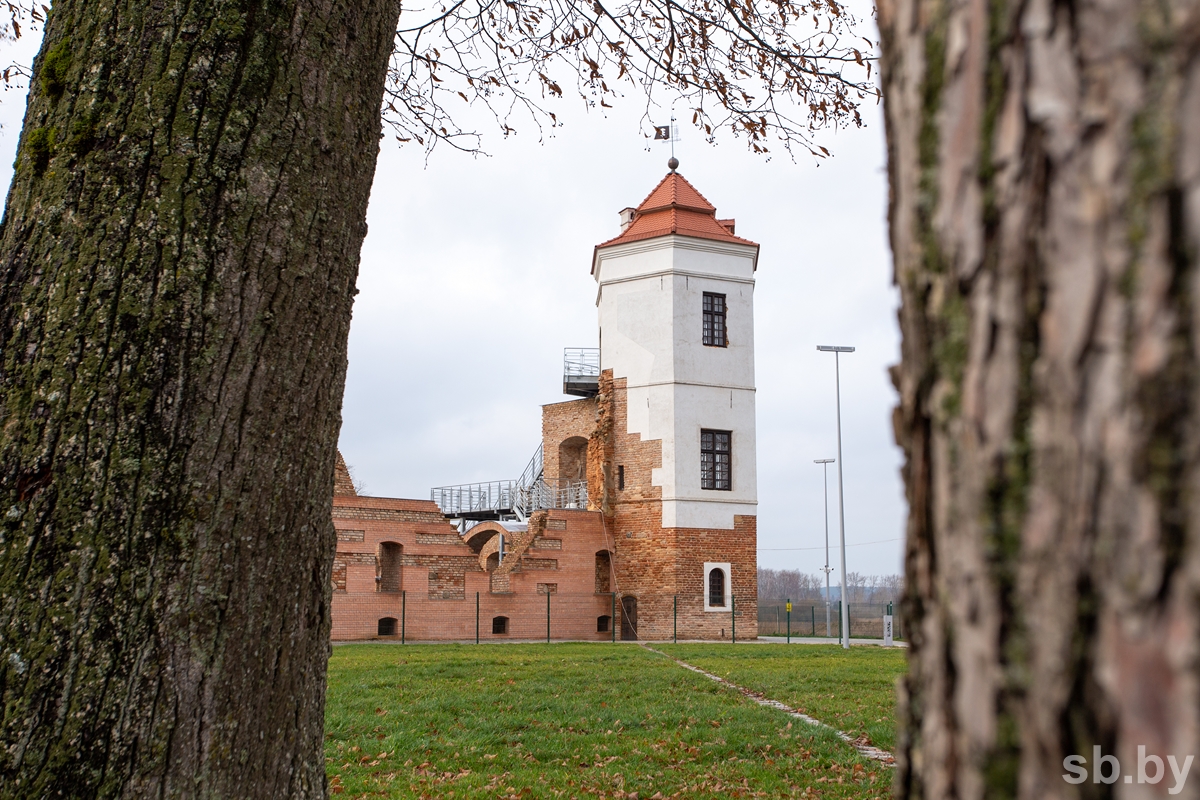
<point x="860" y="744"/>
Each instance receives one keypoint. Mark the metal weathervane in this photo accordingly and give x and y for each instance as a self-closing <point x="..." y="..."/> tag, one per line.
<point x="668" y="133"/>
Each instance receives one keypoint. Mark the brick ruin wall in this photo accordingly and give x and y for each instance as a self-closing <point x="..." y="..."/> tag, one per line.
<point x="571" y="420"/>
<point x="343" y="484"/>
<point x="440" y="576"/>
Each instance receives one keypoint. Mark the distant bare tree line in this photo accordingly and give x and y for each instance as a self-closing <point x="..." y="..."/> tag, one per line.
<point x="775" y="584"/>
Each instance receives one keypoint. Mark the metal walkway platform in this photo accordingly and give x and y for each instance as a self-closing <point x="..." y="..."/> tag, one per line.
<point x="513" y="499"/>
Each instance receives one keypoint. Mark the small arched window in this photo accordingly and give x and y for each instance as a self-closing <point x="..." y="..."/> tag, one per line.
<point x="499" y="625"/>
<point x="603" y="623"/>
<point x="387" y="626"/>
<point x="716" y="587"/>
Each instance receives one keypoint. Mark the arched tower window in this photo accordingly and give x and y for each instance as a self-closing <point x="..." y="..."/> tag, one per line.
<point x="716" y="587"/>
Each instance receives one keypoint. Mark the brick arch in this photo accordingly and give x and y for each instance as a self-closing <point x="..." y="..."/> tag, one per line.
<point x="484" y="539"/>
<point x="572" y="460"/>
<point x="478" y="537"/>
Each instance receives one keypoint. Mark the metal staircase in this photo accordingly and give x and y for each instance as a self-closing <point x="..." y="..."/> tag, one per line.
<point x="517" y="499"/>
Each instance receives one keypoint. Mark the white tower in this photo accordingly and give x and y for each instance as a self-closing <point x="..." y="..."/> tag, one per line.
<point x="676" y="308"/>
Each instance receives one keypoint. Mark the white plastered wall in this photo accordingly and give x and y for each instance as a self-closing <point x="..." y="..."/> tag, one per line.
<point x="650" y="308"/>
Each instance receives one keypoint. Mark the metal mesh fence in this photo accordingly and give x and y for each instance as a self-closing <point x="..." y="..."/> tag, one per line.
<point x="808" y="619"/>
<point x="548" y="615"/>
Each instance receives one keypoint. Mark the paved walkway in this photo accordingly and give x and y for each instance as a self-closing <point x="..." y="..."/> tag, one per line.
<point x="823" y="640"/>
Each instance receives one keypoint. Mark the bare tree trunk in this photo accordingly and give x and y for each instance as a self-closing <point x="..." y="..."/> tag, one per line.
<point x="1045" y="217"/>
<point x="179" y="253"/>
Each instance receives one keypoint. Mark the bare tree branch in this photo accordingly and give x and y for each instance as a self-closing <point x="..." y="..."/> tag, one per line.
<point x="15" y="19"/>
<point x="745" y="65"/>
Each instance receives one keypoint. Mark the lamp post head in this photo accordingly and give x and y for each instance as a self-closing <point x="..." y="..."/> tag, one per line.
<point x="833" y="348"/>
<point x="823" y="460"/>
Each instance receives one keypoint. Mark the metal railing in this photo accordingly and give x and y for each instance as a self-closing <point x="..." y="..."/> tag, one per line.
<point x="581" y="371"/>
<point x="547" y="495"/>
<point x="519" y="498"/>
<point x="533" y="470"/>
<point x="473" y="499"/>
<point x="581" y="362"/>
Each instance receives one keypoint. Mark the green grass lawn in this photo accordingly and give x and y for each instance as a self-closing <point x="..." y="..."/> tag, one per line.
<point x="852" y="690"/>
<point x="568" y="720"/>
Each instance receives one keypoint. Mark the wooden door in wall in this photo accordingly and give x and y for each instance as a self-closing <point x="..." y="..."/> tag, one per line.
<point x="628" y="618"/>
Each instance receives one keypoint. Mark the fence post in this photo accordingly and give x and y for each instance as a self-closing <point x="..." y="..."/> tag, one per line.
<point x="675" y="619"/>
<point x="403" y="605"/>
<point x="814" y="616"/>
<point x="733" y="617"/>
<point x="547" y="616"/>
<point x="887" y="626"/>
<point x="612" y="624"/>
<point x="477" y="618"/>
<point x="789" y="613"/>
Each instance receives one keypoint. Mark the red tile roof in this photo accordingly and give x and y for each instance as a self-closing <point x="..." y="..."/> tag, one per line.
<point x="675" y="207"/>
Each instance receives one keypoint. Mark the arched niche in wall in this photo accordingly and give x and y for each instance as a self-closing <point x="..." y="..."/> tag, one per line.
<point x="387" y="567"/>
<point x="603" y="572"/>
<point x="572" y="460"/>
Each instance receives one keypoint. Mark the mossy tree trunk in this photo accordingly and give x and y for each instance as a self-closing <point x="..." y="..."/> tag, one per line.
<point x="1045" y="217"/>
<point x="179" y="253"/>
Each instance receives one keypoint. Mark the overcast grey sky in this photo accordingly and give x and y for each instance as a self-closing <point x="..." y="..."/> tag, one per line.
<point x="475" y="275"/>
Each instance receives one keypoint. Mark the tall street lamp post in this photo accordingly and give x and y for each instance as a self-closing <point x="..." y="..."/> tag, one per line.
<point x="825" y="462"/>
<point x="837" y="351"/>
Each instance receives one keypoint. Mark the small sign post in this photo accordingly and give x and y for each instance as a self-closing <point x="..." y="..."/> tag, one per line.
<point x="887" y="627"/>
<point x="789" y="621"/>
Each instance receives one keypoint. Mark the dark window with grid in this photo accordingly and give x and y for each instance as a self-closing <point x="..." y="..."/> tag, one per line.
<point x="714" y="320"/>
<point x="716" y="588"/>
<point x="715" y="467"/>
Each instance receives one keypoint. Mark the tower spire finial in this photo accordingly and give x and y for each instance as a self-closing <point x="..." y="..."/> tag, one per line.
<point x="673" y="162"/>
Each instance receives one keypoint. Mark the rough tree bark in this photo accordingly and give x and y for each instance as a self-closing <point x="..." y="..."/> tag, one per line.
<point x="1045" y="218"/>
<point x="179" y="253"/>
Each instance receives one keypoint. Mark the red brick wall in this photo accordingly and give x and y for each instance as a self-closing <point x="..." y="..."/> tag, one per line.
<point x="563" y="421"/>
<point x="342" y="483"/>
<point x="440" y="575"/>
